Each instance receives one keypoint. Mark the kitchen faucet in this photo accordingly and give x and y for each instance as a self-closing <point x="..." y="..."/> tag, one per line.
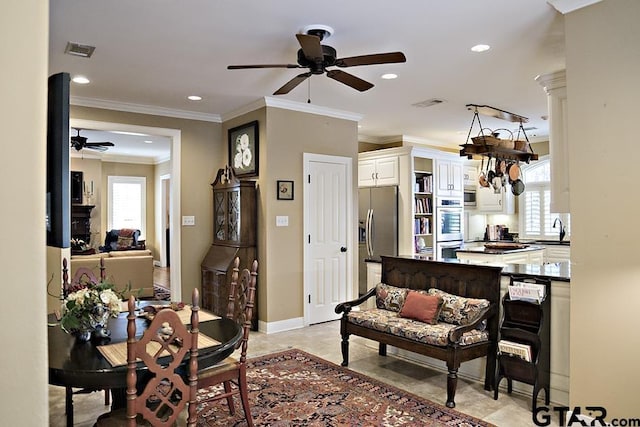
<point x="562" y="231"/>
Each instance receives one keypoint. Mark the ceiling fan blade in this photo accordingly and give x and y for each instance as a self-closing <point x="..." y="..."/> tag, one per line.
<point x="350" y="80"/>
<point x="292" y="83"/>
<point x="98" y="144"/>
<point x="311" y="47"/>
<point x="376" y="58"/>
<point x="242" y="67"/>
<point x="97" y="147"/>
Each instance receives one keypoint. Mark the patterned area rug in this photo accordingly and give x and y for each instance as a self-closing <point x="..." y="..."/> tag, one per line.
<point x="294" y="388"/>
<point x="161" y="293"/>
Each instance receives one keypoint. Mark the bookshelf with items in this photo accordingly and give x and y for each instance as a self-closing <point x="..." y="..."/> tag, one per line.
<point x="423" y="206"/>
<point x="524" y="345"/>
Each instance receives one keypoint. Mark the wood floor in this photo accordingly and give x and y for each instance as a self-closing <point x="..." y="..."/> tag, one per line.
<point x="162" y="276"/>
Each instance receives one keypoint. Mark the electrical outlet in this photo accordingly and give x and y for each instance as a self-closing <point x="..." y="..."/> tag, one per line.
<point x="282" y="221"/>
<point x="188" y="220"/>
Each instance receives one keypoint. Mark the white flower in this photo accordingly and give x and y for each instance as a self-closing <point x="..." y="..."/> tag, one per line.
<point x="237" y="160"/>
<point x="244" y="141"/>
<point x="246" y="158"/>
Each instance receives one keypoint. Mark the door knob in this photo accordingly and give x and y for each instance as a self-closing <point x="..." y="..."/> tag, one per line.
<point x="343" y="249"/>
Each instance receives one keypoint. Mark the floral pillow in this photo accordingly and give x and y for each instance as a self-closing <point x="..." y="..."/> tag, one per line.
<point x="389" y="297"/>
<point x="459" y="310"/>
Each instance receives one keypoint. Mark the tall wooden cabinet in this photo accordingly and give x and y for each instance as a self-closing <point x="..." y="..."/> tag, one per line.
<point x="234" y="235"/>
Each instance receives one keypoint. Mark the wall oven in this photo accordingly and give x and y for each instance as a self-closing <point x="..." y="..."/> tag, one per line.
<point x="470" y="198"/>
<point x="449" y="219"/>
<point x="446" y="250"/>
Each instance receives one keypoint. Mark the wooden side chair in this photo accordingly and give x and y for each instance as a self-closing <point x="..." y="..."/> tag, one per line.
<point x="82" y="275"/>
<point x="162" y="348"/>
<point x="232" y="370"/>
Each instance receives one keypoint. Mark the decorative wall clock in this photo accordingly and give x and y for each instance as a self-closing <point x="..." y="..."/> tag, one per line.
<point x="243" y="149"/>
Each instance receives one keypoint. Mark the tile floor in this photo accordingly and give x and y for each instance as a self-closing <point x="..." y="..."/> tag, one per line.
<point x="323" y="340"/>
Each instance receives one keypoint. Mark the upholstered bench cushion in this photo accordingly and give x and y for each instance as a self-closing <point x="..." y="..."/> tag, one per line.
<point x="390" y="322"/>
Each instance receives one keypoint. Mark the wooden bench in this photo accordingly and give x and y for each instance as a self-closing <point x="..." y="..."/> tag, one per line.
<point x="472" y="281"/>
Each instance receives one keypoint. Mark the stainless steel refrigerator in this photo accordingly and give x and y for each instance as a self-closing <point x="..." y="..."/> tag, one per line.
<point x="377" y="227"/>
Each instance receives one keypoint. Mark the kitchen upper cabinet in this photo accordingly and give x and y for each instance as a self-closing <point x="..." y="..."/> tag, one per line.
<point x="449" y="179"/>
<point x="470" y="176"/>
<point x="499" y="203"/>
<point x="378" y="172"/>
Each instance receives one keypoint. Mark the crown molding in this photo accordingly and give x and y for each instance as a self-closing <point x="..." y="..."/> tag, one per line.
<point x="143" y="109"/>
<point x="551" y="81"/>
<point x="285" y="104"/>
<point x="567" y="6"/>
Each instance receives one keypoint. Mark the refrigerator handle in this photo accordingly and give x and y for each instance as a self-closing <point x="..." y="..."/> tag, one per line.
<point x="370" y="233"/>
<point x="367" y="238"/>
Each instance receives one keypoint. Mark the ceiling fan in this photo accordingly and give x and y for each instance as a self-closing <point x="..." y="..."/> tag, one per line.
<point x="317" y="57"/>
<point x="79" y="142"/>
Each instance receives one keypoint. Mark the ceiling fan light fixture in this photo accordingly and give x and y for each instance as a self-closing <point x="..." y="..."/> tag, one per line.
<point x="194" y="98"/>
<point x="480" y="48"/>
<point x="320" y="30"/>
<point x="389" y="76"/>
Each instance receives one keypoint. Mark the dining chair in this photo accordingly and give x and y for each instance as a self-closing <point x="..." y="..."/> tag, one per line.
<point x="232" y="370"/>
<point x="162" y="348"/>
<point x="82" y="275"/>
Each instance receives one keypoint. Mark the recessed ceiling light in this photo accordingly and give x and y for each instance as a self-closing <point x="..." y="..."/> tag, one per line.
<point x="389" y="76"/>
<point x="194" y="98"/>
<point x="148" y="142"/>
<point x="481" y="48"/>
<point x="81" y="80"/>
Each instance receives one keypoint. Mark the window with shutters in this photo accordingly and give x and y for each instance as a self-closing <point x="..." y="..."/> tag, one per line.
<point x="127" y="201"/>
<point x="536" y="218"/>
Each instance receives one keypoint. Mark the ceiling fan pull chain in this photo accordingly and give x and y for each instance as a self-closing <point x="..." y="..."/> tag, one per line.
<point x="309" y="91"/>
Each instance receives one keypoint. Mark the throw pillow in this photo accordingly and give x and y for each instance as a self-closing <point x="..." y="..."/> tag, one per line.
<point x="390" y="297"/>
<point x="459" y="310"/>
<point x="422" y="307"/>
<point x="124" y="243"/>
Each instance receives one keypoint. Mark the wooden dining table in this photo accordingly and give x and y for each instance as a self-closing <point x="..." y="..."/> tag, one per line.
<point x="77" y="364"/>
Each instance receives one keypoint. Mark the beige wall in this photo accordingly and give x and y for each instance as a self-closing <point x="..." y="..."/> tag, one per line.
<point x="284" y="136"/>
<point x="603" y="65"/>
<point x="289" y="135"/>
<point x="23" y="85"/>
<point x="200" y="159"/>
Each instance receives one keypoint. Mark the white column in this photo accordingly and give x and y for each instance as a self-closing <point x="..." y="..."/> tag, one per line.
<point x="555" y="85"/>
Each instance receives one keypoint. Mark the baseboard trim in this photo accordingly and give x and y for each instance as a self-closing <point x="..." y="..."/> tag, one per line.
<point x="281" y="325"/>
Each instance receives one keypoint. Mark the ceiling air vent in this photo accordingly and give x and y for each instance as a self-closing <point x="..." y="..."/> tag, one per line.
<point x="428" y="103"/>
<point x="77" y="49"/>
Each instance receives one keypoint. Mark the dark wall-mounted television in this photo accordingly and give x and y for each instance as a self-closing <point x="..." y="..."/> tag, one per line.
<point x="76" y="187"/>
<point x="58" y="201"/>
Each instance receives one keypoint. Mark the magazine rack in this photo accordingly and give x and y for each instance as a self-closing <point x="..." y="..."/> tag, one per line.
<point x="526" y="325"/>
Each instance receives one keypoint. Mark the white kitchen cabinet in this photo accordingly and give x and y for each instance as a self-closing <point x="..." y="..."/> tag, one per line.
<point x="470" y="176"/>
<point x="557" y="253"/>
<point x="449" y="182"/>
<point x="499" y="203"/>
<point x="378" y="172"/>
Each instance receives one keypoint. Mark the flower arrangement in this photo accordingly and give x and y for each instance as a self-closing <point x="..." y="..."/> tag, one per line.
<point x="87" y="307"/>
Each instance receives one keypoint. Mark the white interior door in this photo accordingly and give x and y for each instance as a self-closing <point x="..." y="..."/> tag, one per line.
<point x="328" y="245"/>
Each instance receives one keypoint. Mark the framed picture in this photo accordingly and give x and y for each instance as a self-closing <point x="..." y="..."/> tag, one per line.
<point x="285" y="190"/>
<point x="243" y="149"/>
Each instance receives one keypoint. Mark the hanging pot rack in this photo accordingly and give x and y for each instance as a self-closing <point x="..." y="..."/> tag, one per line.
<point x="487" y="143"/>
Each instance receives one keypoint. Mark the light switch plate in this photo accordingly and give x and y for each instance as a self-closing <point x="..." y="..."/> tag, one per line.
<point x="282" y="221"/>
<point x="188" y="220"/>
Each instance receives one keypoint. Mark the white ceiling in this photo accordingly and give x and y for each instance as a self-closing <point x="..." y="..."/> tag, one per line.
<point x="155" y="53"/>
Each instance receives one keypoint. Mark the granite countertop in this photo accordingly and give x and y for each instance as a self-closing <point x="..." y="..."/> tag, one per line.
<point x="499" y="251"/>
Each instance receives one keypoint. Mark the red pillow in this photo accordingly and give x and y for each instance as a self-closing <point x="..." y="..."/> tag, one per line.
<point x="422" y="307"/>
